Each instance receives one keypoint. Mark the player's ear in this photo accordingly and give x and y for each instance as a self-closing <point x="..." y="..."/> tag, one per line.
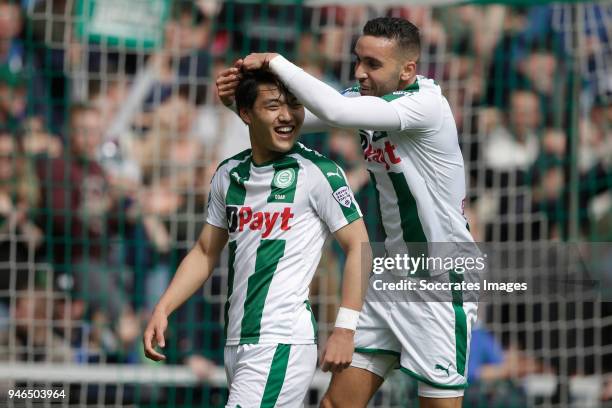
<point x="244" y="115"/>
<point x="408" y="70"/>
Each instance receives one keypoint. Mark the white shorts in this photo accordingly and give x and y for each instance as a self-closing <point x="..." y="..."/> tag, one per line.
<point x="427" y="340"/>
<point x="269" y="375"/>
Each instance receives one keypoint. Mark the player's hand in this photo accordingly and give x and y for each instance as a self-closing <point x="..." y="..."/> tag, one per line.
<point x="338" y="352"/>
<point x="227" y="82"/>
<point x="154" y="335"/>
<point x="257" y="60"/>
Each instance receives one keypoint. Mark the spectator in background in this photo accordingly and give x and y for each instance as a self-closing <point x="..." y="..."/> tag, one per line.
<point x="38" y="143"/>
<point x="548" y="181"/>
<point x="12" y="97"/>
<point x="513" y="146"/>
<point x="69" y="314"/>
<point x="509" y="152"/>
<point x="188" y="36"/>
<point x="545" y="76"/>
<point x="255" y="26"/>
<point x="550" y="32"/>
<point x="174" y="167"/>
<point x="181" y="66"/>
<point x="220" y="130"/>
<point x="491" y="371"/>
<point x="49" y="39"/>
<point x="19" y="196"/>
<point x="84" y="214"/>
<point x="550" y="198"/>
<point x="182" y="63"/>
<point x="595" y="170"/>
<point x="11" y="47"/>
<point x="33" y="341"/>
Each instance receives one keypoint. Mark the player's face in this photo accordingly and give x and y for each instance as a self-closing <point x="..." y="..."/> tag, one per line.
<point x="378" y="68"/>
<point x="275" y="120"/>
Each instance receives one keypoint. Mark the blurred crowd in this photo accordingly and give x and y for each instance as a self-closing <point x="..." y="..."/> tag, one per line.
<point x="106" y="152"/>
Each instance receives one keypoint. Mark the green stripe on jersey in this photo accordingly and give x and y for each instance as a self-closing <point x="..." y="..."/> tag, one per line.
<point x="412" y="229"/>
<point x="282" y="188"/>
<point x="276" y="377"/>
<point x="230" y="281"/>
<point x="269" y="252"/>
<point x="315" y="326"/>
<point x="236" y="192"/>
<point x="332" y="173"/>
<point x="239" y="157"/>
<point x="378" y="209"/>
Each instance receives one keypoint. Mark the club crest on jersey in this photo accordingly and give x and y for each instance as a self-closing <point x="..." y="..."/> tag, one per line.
<point x="343" y="196"/>
<point x="284" y="178"/>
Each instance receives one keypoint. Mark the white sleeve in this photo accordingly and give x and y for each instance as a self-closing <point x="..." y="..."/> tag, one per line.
<point x="216" y="202"/>
<point x="363" y="112"/>
<point x="312" y="123"/>
<point x="417" y="110"/>
<point x="331" y="196"/>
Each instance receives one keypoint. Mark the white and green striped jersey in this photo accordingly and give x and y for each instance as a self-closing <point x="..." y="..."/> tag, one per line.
<point x="418" y="170"/>
<point x="278" y="216"/>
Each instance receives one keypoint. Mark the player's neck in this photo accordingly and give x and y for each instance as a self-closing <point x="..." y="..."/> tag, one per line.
<point x="263" y="156"/>
<point x="405" y="84"/>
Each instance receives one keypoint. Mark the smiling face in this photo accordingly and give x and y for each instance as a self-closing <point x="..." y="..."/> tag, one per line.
<point x="274" y="122"/>
<point x="379" y="67"/>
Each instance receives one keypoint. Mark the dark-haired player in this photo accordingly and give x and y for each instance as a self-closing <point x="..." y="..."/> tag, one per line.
<point x="276" y="203"/>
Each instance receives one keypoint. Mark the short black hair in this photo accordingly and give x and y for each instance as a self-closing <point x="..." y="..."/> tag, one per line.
<point x="403" y="31"/>
<point x="246" y="92"/>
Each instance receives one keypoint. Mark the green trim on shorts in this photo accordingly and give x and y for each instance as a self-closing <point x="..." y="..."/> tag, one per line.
<point x="429" y="382"/>
<point x="276" y="376"/>
<point x="366" y="350"/>
<point x="461" y="331"/>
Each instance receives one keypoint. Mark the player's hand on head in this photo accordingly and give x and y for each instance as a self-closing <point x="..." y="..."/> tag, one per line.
<point x="257" y="61"/>
<point x="154" y="336"/>
<point x="227" y="82"/>
<point x="338" y="352"/>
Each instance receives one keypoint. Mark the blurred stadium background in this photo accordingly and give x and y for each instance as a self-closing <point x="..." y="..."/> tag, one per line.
<point x="110" y="131"/>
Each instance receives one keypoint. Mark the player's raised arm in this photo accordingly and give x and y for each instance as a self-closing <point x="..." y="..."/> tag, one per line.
<point x="227" y="82"/>
<point x="193" y="271"/>
<point x="365" y="112"/>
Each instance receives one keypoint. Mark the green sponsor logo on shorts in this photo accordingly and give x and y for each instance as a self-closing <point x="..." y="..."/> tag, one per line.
<point x="440" y="367"/>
